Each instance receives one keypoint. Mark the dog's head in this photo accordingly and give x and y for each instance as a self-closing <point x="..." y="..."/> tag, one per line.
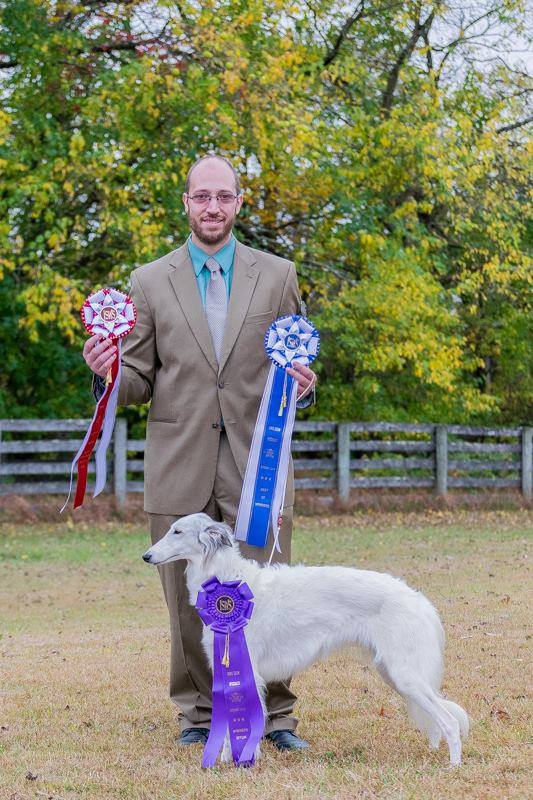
<point x="190" y="538"/>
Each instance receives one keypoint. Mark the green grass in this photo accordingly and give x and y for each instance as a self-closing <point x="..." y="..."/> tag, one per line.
<point x="84" y="654"/>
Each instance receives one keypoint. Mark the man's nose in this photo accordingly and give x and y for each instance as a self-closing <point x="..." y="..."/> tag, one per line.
<point x="213" y="200"/>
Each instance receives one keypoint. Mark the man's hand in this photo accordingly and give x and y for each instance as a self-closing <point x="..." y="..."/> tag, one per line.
<point x="99" y="353"/>
<point x="306" y="379"/>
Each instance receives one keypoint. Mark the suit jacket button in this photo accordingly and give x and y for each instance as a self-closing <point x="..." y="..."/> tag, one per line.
<point x="221" y="384"/>
<point x="216" y="425"/>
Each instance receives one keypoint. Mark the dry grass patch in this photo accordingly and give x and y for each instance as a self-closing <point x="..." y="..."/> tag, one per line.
<point x="84" y="661"/>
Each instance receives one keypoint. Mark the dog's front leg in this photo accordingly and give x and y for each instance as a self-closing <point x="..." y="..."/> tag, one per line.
<point x="261" y="691"/>
<point x="226" y="755"/>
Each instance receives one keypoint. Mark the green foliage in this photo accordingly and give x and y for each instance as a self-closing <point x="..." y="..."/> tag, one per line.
<point x="41" y="375"/>
<point x="374" y="150"/>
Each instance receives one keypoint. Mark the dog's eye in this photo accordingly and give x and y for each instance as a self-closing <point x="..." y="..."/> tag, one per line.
<point x="177" y="532"/>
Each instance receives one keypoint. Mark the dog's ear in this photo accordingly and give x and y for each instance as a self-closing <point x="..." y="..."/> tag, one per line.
<point x="215" y="536"/>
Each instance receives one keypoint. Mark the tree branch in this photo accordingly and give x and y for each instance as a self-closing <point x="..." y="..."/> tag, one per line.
<point x="332" y="54"/>
<point x="133" y="45"/>
<point x="514" y="125"/>
<point x="419" y="31"/>
<point x="429" y="54"/>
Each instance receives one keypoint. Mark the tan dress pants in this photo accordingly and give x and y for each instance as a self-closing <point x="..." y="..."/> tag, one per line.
<point x="190" y="675"/>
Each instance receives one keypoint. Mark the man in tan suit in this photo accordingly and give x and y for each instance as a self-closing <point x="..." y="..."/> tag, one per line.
<point x="204" y="368"/>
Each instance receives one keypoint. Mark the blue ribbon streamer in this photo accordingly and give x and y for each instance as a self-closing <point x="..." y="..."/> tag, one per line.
<point x="265" y="481"/>
<point x="289" y="340"/>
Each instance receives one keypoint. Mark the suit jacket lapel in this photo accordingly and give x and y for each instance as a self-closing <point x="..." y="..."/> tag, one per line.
<point x="184" y="283"/>
<point x="245" y="277"/>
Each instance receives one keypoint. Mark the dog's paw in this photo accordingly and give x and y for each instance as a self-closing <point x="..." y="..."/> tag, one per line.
<point x="226" y="755"/>
<point x="434" y="740"/>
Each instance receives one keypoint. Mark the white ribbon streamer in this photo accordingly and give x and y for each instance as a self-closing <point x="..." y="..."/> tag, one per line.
<point x="107" y="431"/>
<point x="283" y="471"/>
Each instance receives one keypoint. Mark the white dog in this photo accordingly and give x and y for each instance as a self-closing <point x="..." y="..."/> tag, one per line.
<point x="302" y="614"/>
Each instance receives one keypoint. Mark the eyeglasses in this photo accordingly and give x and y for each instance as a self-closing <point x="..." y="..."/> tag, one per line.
<point x="222" y="198"/>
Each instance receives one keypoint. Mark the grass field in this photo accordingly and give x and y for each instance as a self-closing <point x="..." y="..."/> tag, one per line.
<point x="84" y="649"/>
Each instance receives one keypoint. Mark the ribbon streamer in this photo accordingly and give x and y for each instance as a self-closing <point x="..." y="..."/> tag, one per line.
<point x="81" y="459"/>
<point x="111" y="314"/>
<point x="226" y="608"/>
<point x="288" y="341"/>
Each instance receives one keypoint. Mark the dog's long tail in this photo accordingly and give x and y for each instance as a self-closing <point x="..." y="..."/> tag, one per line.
<point x="427" y="725"/>
<point x="459" y="713"/>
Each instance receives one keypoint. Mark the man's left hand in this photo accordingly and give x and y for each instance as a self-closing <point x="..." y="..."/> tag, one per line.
<point x="306" y="379"/>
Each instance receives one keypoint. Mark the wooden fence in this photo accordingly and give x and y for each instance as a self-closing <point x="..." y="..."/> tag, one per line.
<point x="35" y="457"/>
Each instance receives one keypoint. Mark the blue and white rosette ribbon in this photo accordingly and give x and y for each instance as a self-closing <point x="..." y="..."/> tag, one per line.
<point x="289" y="340"/>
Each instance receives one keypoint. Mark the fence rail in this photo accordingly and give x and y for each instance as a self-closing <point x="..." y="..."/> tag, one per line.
<point x="340" y="456"/>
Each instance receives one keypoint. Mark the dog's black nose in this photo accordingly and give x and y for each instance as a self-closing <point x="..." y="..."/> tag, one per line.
<point x="147" y="558"/>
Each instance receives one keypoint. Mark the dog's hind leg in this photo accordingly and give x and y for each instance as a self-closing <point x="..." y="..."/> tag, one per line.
<point x="425" y="709"/>
<point x="434" y="738"/>
<point x="428" y="702"/>
<point x="425" y="724"/>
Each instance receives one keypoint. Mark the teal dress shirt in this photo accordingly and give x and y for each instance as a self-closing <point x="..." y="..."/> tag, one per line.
<point x="224" y="256"/>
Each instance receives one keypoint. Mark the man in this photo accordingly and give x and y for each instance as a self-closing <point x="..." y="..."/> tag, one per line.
<point x="197" y="353"/>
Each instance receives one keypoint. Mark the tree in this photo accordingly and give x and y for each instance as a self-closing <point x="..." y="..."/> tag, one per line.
<point x="382" y="146"/>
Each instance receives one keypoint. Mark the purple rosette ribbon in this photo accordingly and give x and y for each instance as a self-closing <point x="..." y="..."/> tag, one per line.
<point x="226" y="608"/>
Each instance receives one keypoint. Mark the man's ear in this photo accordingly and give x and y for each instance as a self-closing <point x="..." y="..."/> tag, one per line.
<point x="215" y="536"/>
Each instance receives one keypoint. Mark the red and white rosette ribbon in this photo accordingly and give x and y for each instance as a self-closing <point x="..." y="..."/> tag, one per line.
<point x="111" y="314"/>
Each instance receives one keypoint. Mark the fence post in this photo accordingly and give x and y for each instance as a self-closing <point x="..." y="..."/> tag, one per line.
<point x="441" y="460"/>
<point x="527" y="456"/>
<point x="343" y="460"/>
<point x="120" y="446"/>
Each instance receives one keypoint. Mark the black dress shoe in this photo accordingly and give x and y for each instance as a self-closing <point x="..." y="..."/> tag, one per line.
<point x="193" y="736"/>
<point x="287" y="740"/>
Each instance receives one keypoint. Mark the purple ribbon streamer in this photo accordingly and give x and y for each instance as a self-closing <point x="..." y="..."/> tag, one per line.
<point x="255" y="723"/>
<point x="236" y="704"/>
<point x="218" y="715"/>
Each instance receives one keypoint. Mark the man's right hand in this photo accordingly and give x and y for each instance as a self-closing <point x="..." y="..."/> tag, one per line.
<point x="99" y="353"/>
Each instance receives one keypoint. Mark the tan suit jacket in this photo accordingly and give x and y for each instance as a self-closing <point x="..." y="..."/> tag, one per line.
<point x="169" y="359"/>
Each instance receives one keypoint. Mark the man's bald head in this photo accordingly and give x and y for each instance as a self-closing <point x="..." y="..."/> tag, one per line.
<point x="205" y="160"/>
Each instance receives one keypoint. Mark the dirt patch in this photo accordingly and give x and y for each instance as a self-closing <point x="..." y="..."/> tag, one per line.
<point x="311" y="503"/>
<point x="45" y="508"/>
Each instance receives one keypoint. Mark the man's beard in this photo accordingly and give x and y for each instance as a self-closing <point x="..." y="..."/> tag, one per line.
<point x="210" y="237"/>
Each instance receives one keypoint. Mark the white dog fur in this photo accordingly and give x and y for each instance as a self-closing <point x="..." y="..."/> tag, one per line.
<point x="303" y="613"/>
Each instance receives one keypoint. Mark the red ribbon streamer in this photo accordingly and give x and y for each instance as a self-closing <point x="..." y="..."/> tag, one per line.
<point x="82" y="464"/>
